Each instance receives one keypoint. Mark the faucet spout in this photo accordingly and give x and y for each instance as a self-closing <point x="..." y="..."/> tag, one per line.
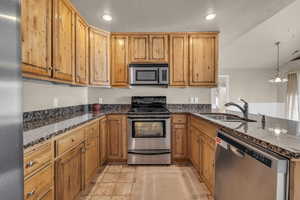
<point x="244" y="109"/>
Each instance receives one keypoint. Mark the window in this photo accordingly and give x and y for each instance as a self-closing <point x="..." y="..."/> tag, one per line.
<point x="293" y="97"/>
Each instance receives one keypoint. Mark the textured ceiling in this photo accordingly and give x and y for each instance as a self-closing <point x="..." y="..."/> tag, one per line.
<point x="236" y="20"/>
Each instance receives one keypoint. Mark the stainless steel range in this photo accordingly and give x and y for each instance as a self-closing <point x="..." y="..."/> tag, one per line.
<point x="149" y="138"/>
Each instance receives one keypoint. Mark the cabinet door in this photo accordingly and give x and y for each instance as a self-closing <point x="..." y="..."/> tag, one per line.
<point x="209" y="162"/>
<point x="99" y="58"/>
<point x="64" y="41"/>
<point x="81" y="49"/>
<point x="195" y="148"/>
<point x="139" y="48"/>
<point x="179" y="60"/>
<point x="119" y="63"/>
<point x="69" y="174"/>
<point x="36" y="37"/>
<point x="103" y="139"/>
<point x="91" y="159"/>
<point x="179" y="141"/>
<point x="117" y="137"/>
<point x="158" y="48"/>
<point x="203" y="59"/>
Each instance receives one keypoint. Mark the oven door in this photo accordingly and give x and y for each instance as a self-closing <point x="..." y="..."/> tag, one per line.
<point x="149" y="133"/>
<point x="144" y="75"/>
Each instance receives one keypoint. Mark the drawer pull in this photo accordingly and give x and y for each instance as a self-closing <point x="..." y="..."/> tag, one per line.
<point x="72" y="140"/>
<point x="29" y="194"/>
<point x="30" y="164"/>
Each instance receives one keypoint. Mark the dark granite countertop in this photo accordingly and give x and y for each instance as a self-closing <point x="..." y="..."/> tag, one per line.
<point x="278" y="135"/>
<point x="37" y="135"/>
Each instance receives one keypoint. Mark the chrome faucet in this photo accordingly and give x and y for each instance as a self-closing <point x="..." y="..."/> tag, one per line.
<point x="244" y="109"/>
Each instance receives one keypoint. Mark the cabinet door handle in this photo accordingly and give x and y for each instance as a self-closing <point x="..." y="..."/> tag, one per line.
<point x="30" y="164"/>
<point x="29" y="194"/>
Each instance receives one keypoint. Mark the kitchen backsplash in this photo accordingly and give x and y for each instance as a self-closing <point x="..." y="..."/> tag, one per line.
<point x="40" y="118"/>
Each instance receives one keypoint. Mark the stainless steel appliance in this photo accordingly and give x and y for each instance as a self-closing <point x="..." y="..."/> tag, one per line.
<point x="11" y="141"/>
<point x="149" y="138"/>
<point x="149" y="74"/>
<point x="247" y="172"/>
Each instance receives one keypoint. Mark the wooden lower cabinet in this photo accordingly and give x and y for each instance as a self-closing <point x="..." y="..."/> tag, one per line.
<point x="179" y="137"/>
<point x="48" y="196"/>
<point x="196" y="149"/>
<point x="36" y="186"/>
<point x="117" y="137"/>
<point x="69" y="173"/>
<point x="208" y="163"/>
<point x="202" y="150"/>
<point x="103" y="139"/>
<point x="92" y="151"/>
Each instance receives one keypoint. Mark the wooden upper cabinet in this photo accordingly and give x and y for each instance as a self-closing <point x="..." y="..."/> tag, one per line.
<point x="36" y="36"/>
<point x="203" y="59"/>
<point x="179" y="75"/>
<point x="158" y="48"/>
<point x="119" y="61"/>
<point x="81" y="51"/>
<point x="99" y="57"/>
<point x="63" y="41"/>
<point x="139" y="48"/>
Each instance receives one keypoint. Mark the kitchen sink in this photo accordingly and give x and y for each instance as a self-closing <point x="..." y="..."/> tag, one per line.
<point x="225" y="117"/>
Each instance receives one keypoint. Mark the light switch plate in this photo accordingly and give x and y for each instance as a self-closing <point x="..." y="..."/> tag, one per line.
<point x="192" y="100"/>
<point x="196" y="100"/>
<point x="55" y="102"/>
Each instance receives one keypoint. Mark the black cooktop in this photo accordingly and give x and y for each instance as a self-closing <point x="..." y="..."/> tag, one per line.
<point x="149" y="104"/>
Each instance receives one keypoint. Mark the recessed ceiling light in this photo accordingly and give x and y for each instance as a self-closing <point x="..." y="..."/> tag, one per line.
<point x="107" y="17"/>
<point x="210" y="16"/>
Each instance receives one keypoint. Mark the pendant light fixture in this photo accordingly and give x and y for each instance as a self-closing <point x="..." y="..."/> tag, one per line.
<point x="278" y="77"/>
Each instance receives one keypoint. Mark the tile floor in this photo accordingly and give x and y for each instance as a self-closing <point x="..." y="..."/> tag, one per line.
<point x="122" y="182"/>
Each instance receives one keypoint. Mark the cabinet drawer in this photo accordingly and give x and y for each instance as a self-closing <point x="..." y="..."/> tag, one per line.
<point x="38" y="185"/>
<point x="36" y="158"/>
<point x="204" y="126"/>
<point x="179" y="119"/>
<point x="92" y="130"/>
<point x="69" y="141"/>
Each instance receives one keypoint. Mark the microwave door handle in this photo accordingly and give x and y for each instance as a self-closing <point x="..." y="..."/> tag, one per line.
<point x="161" y="81"/>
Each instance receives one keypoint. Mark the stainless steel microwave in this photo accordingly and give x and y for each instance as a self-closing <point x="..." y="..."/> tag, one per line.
<point x="149" y="74"/>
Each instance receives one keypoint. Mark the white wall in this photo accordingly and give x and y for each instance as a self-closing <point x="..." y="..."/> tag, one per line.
<point x="40" y="95"/>
<point x="123" y="95"/>
<point x="253" y="86"/>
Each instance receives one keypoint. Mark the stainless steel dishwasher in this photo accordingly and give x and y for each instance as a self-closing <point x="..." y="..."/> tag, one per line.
<point x="245" y="172"/>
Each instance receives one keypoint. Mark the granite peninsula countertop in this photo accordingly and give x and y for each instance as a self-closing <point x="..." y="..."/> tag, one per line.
<point x="278" y="135"/>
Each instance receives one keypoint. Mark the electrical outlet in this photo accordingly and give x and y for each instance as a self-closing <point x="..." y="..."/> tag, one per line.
<point x="192" y="100"/>
<point x="196" y="100"/>
<point x="100" y="100"/>
<point x="55" y="102"/>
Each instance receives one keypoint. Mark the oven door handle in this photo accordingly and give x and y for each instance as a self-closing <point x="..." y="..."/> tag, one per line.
<point x="149" y="152"/>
